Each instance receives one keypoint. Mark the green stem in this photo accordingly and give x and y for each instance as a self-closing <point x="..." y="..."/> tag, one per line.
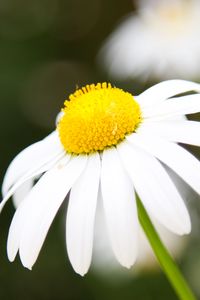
<point x="167" y="263"/>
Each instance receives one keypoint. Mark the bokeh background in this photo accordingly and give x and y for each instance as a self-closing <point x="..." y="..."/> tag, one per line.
<point x="47" y="49"/>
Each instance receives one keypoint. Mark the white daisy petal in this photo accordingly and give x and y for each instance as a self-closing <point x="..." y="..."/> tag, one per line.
<point x="161" y="119"/>
<point x="18" y="222"/>
<point x="81" y="216"/>
<point x="30" y="174"/>
<point x="166" y="89"/>
<point x="155" y="188"/>
<point x="174" y="107"/>
<point x="32" y="158"/>
<point x="181" y="131"/>
<point x="120" y="208"/>
<point x="173" y="155"/>
<point x="22" y="192"/>
<point x="45" y="199"/>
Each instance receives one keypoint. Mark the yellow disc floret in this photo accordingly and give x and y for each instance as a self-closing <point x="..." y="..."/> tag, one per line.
<point x="96" y="117"/>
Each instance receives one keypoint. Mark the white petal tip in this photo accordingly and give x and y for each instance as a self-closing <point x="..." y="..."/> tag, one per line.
<point x="81" y="272"/>
<point x="80" y="269"/>
<point x="187" y="230"/>
<point x="183" y="230"/>
<point x="11" y="257"/>
<point x="28" y="267"/>
<point x="11" y="252"/>
<point x="127" y="264"/>
<point x="186" y="226"/>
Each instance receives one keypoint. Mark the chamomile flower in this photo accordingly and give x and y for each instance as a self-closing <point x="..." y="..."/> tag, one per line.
<point x="160" y="41"/>
<point x="108" y="144"/>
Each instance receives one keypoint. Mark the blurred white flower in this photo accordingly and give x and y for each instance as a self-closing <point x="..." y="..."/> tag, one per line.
<point x="107" y="144"/>
<point x="161" y="41"/>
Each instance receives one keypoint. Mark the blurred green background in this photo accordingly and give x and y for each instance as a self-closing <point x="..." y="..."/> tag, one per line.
<point x="47" y="48"/>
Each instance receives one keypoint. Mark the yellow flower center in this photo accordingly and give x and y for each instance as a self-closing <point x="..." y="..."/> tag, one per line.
<point x="96" y="117"/>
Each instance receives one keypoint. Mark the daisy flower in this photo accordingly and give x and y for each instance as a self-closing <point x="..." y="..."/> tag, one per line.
<point x="161" y="41"/>
<point x="110" y="145"/>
